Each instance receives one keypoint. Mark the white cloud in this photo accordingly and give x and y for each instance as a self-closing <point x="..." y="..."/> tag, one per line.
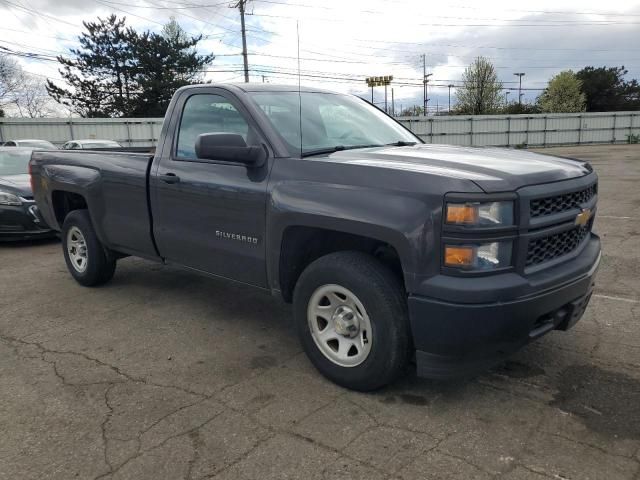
<point x="343" y="41"/>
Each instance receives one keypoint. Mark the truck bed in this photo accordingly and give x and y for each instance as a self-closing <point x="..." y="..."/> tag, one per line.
<point x="115" y="186"/>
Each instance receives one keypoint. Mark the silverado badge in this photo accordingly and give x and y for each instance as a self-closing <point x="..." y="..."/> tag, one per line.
<point x="583" y="217"/>
<point x="237" y="236"/>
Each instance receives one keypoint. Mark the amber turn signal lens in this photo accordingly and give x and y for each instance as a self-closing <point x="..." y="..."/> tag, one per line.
<point x="459" y="256"/>
<point x="462" y="213"/>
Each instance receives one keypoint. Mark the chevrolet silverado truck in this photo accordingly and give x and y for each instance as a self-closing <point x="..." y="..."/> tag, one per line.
<point x="390" y="250"/>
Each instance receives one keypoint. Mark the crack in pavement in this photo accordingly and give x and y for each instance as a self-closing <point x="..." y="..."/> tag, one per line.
<point x="14" y="342"/>
<point x="114" y="368"/>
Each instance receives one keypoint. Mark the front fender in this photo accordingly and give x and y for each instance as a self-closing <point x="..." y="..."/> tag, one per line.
<point x="404" y="221"/>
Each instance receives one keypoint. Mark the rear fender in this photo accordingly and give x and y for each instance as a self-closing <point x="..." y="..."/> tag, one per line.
<point x="83" y="181"/>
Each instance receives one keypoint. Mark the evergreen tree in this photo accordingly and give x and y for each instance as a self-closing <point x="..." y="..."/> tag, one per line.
<point x="102" y="73"/>
<point x="607" y="90"/>
<point x="166" y="62"/>
<point x="118" y="72"/>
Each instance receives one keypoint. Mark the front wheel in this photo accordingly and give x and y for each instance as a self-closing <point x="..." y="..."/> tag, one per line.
<point x="351" y="317"/>
<point x="87" y="259"/>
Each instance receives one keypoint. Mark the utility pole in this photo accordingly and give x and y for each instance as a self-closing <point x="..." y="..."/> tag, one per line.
<point x="506" y="97"/>
<point x="426" y="93"/>
<point x="241" y="4"/>
<point x="451" y="85"/>
<point x="424" y="80"/>
<point x="520" y="75"/>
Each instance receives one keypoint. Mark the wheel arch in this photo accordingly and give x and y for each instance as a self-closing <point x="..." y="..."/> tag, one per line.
<point x="64" y="201"/>
<point x="300" y="245"/>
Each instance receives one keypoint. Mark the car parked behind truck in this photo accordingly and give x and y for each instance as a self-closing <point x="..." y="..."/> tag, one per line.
<point x="389" y="249"/>
<point x="19" y="216"/>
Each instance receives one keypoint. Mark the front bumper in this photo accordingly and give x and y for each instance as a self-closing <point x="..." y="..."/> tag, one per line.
<point x="22" y="222"/>
<point x="455" y="338"/>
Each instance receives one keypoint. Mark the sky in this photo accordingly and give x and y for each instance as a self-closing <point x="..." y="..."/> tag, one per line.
<point x="341" y="42"/>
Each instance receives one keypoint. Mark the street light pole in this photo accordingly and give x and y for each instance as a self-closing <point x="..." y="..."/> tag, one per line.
<point x="506" y="97"/>
<point x="380" y="82"/>
<point x="520" y="75"/>
<point x="393" y="104"/>
<point x="451" y="85"/>
<point x="386" y="110"/>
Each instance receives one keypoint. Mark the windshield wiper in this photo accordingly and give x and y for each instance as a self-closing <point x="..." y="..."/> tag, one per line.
<point x="336" y="148"/>
<point x="401" y="143"/>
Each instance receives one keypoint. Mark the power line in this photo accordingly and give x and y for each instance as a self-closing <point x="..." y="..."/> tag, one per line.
<point x="434" y="24"/>
<point x="385" y="13"/>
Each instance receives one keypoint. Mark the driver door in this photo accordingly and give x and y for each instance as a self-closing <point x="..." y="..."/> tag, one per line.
<point x="209" y="215"/>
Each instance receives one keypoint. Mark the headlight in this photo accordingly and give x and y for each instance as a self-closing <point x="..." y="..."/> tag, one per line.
<point x="7" y="198"/>
<point x="480" y="214"/>
<point x="481" y="257"/>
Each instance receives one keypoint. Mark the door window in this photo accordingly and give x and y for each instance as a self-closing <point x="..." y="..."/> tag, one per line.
<point x="208" y="113"/>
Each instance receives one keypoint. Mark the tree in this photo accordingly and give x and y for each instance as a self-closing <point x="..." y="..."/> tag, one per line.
<point x="166" y="62"/>
<point x="563" y="94"/>
<point x="119" y="72"/>
<point x="173" y="31"/>
<point x="101" y="74"/>
<point x="21" y="93"/>
<point x="32" y="100"/>
<point x="416" y="110"/>
<point x="11" y="79"/>
<point x="516" y="108"/>
<point x="607" y="90"/>
<point x="480" y="90"/>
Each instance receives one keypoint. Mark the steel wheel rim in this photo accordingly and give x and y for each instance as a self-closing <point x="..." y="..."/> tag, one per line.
<point x="77" y="249"/>
<point x="339" y="325"/>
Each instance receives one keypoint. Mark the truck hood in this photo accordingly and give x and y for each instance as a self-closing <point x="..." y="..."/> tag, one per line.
<point x="16" y="184"/>
<point x="492" y="169"/>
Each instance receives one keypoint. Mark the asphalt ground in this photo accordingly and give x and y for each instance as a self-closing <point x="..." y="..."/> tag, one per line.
<point x="162" y="374"/>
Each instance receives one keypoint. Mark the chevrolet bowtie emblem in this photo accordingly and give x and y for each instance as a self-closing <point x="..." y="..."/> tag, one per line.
<point x="583" y="217"/>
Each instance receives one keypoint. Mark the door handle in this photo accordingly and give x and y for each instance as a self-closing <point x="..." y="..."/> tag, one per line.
<point x="169" y="178"/>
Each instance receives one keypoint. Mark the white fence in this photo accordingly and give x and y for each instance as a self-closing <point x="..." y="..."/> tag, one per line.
<point x="130" y="132"/>
<point x="533" y="130"/>
<point x="502" y="130"/>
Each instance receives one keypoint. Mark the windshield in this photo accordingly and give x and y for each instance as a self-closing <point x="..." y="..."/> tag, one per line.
<point x="14" y="162"/>
<point x="329" y="121"/>
<point x="36" y="144"/>
<point x="87" y="145"/>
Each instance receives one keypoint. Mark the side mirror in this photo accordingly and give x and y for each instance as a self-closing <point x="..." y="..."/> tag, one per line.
<point x="229" y="147"/>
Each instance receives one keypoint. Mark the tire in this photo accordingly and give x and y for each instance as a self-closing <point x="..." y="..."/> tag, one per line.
<point x="97" y="265"/>
<point x="358" y="292"/>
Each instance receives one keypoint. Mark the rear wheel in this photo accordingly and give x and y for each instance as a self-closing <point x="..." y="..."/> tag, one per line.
<point x="88" y="261"/>
<point x="351" y="318"/>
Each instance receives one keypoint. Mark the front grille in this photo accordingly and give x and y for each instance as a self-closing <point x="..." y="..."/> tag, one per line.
<point x="548" y="248"/>
<point x="563" y="202"/>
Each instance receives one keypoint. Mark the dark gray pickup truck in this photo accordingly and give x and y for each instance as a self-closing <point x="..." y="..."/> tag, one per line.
<point x="388" y="248"/>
